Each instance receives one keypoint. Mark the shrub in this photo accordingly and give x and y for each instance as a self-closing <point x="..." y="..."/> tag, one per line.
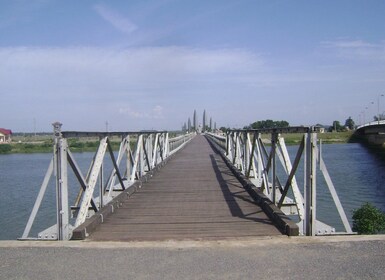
<point x="5" y="148"/>
<point x="368" y="219"/>
<point x="78" y="145"/>
<point x="92" y="144"/>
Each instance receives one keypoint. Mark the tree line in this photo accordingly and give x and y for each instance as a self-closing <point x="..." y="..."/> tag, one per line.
<point x="267" y="124"/>
<point x="263" y="124"/>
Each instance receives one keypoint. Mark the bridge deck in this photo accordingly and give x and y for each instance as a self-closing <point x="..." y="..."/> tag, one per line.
<point x="195" y="196"/>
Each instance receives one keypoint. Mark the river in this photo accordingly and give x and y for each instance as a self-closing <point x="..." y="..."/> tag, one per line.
<point x="358" y="175"/>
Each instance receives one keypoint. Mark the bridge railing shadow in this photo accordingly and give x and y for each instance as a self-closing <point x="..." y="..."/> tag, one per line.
<point x="258" y="160"/>
<point x="234" y="193"/>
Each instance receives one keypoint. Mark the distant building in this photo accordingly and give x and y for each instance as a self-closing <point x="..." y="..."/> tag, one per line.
<point x="5" y="135"/>
<point x="320" y="128"/>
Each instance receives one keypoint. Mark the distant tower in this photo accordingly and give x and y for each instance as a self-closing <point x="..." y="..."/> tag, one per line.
<point x="195" y="120"/>
<point x="211" y="124"/>
<point x="215" y="126"/>
<point x="189" y="125"/>
<point x="204" y="121"/>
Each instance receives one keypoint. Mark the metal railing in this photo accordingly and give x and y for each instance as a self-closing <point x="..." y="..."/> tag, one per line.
<point x="139" y="153"/>
<point x="258" y="159"/>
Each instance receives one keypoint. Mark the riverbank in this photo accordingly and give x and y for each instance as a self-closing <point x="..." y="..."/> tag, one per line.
<point x="44" y="143"/>
<point x="326" y="138"/>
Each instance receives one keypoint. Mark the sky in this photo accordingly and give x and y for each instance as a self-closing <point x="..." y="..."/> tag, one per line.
<point x="148" y="64"/>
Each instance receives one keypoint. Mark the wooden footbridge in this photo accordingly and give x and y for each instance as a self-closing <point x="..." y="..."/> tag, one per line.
<point x="195" y="196"/>
<point x="199" y="187"/>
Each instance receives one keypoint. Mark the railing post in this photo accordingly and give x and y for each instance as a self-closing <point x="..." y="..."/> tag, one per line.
<point x="60" y="161"/>
<point x="274" y="139"/>
<point x="227" y="144"/>
<point x="129" y="161"/>
<point x="155" y="151"/>
<point x="166" y="146"/>
<point x="101" y="180"/>
<point x="310" y="183"/>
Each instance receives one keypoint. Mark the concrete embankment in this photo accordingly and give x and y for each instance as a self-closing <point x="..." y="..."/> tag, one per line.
<point x="280" y="257"/>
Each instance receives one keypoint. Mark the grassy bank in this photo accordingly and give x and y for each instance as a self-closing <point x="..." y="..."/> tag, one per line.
<point x="25" y="148"/>
<point x="44" y="144"/>
<point x="327" y="137"/>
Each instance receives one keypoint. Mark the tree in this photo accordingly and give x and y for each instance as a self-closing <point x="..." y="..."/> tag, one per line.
<point x="368" y="219"/>
<point x="336" y="127"/>
<point x="269" y="124"/>
<point x="379" y="118"/>
<point x="350" y="123"/>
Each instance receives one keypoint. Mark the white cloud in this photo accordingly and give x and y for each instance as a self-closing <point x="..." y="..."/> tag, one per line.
<point x="69" y="83"/>
<point x="356" y="49"/>
<point x="348" y="44"/>
<point x="157" y="112"/>
<point x="159" y="87"/>
<point x="146" y="113"/>
<point x="98" y="71"/>
<point x="120" y="22"/>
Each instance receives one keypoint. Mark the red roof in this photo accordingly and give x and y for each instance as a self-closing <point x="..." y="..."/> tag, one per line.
<point x="5" y="131"/>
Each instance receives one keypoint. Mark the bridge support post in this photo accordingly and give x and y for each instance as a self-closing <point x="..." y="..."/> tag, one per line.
<point x="274" y="140"/>
<point x="310" y="183"/>
<point x="60" y="169"/>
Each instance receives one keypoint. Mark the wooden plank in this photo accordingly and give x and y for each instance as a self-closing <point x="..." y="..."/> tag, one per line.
<point x="195" y="196"/>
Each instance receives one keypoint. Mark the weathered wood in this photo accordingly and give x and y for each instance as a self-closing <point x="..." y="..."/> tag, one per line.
<point x="195" y="196"/>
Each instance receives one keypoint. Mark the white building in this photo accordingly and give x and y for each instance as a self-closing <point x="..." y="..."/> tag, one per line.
<point x="5" y="135"/>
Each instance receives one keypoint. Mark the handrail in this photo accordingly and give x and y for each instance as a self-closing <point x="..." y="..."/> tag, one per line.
<point x="139" y="153"/>
<point x="246" y="150"/>
<point x="178" y="142"/>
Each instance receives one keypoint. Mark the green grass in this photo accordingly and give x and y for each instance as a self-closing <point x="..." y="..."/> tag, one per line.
<point x="44" y="143"/>
<point x="327" y="137"/>
<point x="27" y="148"/>
<point x="336" y="137"/>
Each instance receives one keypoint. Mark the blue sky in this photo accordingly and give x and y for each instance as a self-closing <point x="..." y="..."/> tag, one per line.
<point x="149" y="64"/>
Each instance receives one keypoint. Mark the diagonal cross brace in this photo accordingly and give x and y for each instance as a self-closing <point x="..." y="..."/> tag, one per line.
<point x="87" y="195"/>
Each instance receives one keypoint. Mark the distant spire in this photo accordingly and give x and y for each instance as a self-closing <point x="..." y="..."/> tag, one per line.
<point x="204" y="121"/>
<point x="195" y="123"/>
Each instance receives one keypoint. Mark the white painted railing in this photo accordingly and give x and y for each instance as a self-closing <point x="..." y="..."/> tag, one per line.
<point x="259" y="162"/>
<point x="139" y="153"/>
